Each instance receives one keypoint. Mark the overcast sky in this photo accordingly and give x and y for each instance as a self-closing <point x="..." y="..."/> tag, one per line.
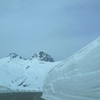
<point x="58" y="27"/>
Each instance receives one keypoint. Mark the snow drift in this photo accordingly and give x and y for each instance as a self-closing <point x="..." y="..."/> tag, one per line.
<point x="76" y="78"/>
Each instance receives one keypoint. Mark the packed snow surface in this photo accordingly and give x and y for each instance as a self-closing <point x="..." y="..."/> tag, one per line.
<point x="23" y="75"/>
<point x="76" y="78"/>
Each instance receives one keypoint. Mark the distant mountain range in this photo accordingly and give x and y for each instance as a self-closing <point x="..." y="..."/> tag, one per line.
<point x="18" y="74"/>
<point x="42" y="56"/>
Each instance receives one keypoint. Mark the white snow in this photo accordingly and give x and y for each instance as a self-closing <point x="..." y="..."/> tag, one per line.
<point x="77" y="77"/>
<point x="17" y="75"/>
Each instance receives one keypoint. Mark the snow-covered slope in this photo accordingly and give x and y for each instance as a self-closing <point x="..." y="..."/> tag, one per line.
<point x="76" y="78"/>
<point x="18" y="74"/>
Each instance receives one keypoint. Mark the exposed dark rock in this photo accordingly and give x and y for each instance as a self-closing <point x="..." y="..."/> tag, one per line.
<point x="43" y="56"/>
<point x="27" y="67"/>
<point x="13" y="55"/>
<point x="25" y="85"/>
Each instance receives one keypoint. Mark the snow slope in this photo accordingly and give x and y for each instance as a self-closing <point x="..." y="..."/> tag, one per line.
<point x="18" y="74"/>
<point x="76" y="78"/>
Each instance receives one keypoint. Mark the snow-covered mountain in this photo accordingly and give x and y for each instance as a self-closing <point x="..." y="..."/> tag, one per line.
<point x="18" y="74"/>
<point x="43" y="57"/>
<point x="76" y="78"/>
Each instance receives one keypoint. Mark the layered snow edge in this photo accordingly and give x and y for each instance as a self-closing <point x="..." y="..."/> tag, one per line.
<point x="77" y="77"/>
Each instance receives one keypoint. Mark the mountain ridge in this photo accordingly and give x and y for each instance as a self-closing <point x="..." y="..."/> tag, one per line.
<point x="22" y="75"/>
<point x="42" y="56"/>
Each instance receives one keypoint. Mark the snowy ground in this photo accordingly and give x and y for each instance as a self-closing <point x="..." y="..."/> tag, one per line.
<point x="23" y="75"/>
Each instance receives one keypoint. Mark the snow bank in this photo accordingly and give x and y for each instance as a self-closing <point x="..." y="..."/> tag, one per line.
<point x="76" y="78"/>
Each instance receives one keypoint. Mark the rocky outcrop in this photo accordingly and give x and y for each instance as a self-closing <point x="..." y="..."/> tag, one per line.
<point x="43" y="57"/>
<point x="14" y="55"/>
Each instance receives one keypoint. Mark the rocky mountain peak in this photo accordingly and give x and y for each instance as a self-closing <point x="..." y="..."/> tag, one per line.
<point x="43" y="56"/>
<point x="13" y="55"/>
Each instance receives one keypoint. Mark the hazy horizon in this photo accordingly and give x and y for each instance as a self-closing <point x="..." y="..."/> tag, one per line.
<point x="60" y="28"/>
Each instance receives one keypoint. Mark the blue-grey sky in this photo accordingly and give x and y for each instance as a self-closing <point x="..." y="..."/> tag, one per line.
<point x="58" y="27"/>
